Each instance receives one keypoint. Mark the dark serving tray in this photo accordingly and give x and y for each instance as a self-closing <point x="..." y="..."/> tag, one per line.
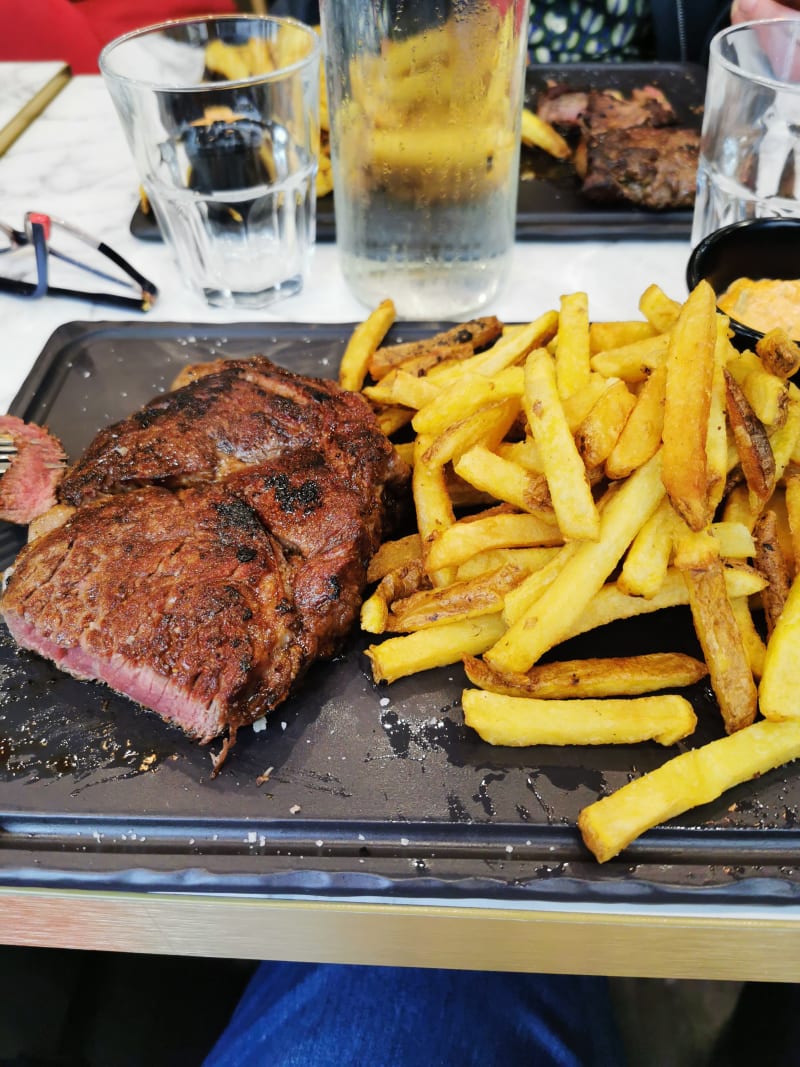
<point x="144" y="225"/>
<point x="549" y="201"/>
<point x="373" y="789"/>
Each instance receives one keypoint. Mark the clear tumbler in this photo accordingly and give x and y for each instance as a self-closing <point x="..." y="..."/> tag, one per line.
<point x="425" y="101"/>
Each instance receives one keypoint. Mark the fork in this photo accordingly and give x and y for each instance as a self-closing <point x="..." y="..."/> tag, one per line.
<point x="8" y="451"/>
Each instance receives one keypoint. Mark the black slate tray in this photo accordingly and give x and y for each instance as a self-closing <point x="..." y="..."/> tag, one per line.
<point x="144" y="225"/>
<point x="549" y="201"/>
<point x="377" y="790"/>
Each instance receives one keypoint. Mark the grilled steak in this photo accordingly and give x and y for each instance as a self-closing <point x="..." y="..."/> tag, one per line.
<point x="652" y="167"/>
<point x="626" y="148"/>
<point x="218" y="545"/>
<point x="28" y="487"/>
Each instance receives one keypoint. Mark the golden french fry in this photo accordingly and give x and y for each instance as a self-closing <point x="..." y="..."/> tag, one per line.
<point x="647" y="560"/>
<point x="458" y="543"/>
<point x="686" y="781"/>
<point x="400" y="387"/>
<point x="615" y="676"/>
<point x="777" y="692"/>
<point x="466" y="599"/>
<point x="603" y="335"/>
<point x="752" y="443"/>
<point x="470" y="393"/>
<point x="363" y="342"/>
<point x="766" y="393"/>
<point x="569" y="487"/>
<point x="547" y="622"/>
<point x="659" y="309"/>
<point x="401" y="582"/>
<point x="611" y="605"/>
<point x="440" y="646"/>
<point x="519" y="600"/>
<point x="641" y="435"/>
<point x="734" y="539"/>
<point x="394" y="554"/>
<point x="572" y="344"/>
<point x="792" y="500"/>
<point x="599" y="432"/>
<point x="526" y="560"/>
<point x="458" y="342"/>
<point x="503" y="479"/>
<point x="754" y="646"/>
<point x="690" y="373"/>
<point x="697" y="557"/>
<point x="536" y="133"/>
<point x="432" y="504"/>
<point x="633" y="362"/>
<point x="487" y="427"/>
<point x="509" y="350"/>
<point x="771" y="563"/>
<point x="779" y="354"/>
<point x="521" y="721"/>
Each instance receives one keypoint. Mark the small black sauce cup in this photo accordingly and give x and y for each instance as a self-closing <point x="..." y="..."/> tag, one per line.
<point x="755" y="248"/>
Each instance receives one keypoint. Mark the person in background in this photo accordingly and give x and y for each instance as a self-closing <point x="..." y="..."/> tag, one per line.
<point x="75" y="31"/>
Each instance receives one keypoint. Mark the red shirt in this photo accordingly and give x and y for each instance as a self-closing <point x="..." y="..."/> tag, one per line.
<point x="76" y="30"/>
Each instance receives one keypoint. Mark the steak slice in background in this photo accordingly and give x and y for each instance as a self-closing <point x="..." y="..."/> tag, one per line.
<point x="652" y="167"/>
<point x="28" y="487"/>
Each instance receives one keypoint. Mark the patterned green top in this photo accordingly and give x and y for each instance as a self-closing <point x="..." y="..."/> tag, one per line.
<point x="571" y="31"/>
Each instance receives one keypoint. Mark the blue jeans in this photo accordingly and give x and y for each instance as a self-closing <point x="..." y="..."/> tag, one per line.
<point x="340" y="1015"/>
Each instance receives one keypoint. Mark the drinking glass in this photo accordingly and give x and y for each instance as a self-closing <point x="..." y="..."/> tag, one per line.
<point x="749" y="163"/>
<point x="222" y="117"/>
<point x="425" y="101"/>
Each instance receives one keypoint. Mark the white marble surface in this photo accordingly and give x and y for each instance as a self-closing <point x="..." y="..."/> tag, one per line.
<point x="19" y="83"/>
<point x="73" y="162"/>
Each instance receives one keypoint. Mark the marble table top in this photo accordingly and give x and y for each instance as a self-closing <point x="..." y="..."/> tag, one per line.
<point x="74" y="163"/>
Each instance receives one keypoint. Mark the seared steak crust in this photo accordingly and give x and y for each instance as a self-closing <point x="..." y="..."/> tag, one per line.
<point x="219" y="544"/>
<point x="652" y="167"/>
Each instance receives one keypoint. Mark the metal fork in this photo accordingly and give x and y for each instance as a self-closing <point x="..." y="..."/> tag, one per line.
<point x="8" y="451"/>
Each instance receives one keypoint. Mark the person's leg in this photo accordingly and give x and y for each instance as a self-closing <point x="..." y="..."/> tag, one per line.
<point x="394" y="1017"/>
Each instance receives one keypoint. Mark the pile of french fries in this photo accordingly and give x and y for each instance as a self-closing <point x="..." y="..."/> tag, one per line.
<point x="570" y="473"/>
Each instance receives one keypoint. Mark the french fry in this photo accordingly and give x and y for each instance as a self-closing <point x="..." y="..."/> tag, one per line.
<point x="752" y="444"/>
<point x="536" y="133"/>
<point x="510" y="349"/>
<point x="400" y="387"/>
<point x="641" y="435"/>
<point x="528" y="560"/>
<point x="363" y="342"/>
<point x="647" y="560"/>
<point x="432" y="504"/>
<point x="487" y="427"/>
<point x="472" y="392"/>
<point x="754" y="646"/>
<point x="771" y="563"/>
<point x="459" y="341"/>
<point x="440" y="646"/>
<point x="547" y="622"/>
<point x="401" y="582"/>
<point x="659" y="309"/>
<point x="455" y="545"/>
<point x="793" y="512"/>
<point x="603" y="335"/>
<point x="633" y="362"/>
<point x="690" y="373"/>
<point x="572" y="344"/>
<point x="697" y="557"/>
<point x="735" y="540"/>
<point x="569" y="487"/>
<point x="777" y="692"/>
<point x="614" y="676"/>
<point x="779" y="354"/>
<point x="466" y="599"/>
<point x="520" y="721"/>
<point x="766" y="393"/>
<point x="612" y="605"/>
<point x="392" y="555"/>
<point x="717" y="451"/>
<point x="600" y="430"/>
<point x="693" y="778"/>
